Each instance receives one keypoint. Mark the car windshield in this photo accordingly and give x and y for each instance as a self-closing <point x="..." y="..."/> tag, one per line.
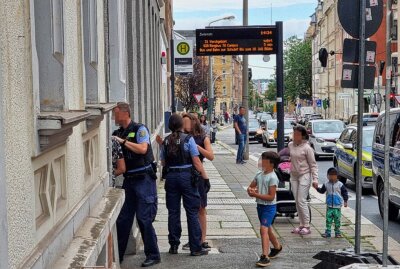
<point x="254" y="124"/>
<point x="368" y="137"/>
<point x="266" y="117"/>
<point x="328" y="127"/>
<point x="272" y="125"/>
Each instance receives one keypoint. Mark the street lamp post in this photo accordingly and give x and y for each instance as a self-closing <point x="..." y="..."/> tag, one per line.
<point x="210" y="70"/>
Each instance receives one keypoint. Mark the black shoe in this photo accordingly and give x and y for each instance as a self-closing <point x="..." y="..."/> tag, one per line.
<point x="150" y="262"/>
<point x="206" y="246"/>
<point x="186" y="246"/>
<point x="173" y="250"/>
<point x="199" y="253"/>
<point x="242" y="162"/>
<point x="263" y="261"/>
<point x="274" y="252"/>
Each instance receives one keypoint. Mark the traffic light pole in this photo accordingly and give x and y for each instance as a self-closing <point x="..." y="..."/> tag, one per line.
<point x="171" y="49"/>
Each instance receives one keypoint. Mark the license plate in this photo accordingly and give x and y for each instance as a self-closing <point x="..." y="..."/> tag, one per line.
<point x="251" y="136"/>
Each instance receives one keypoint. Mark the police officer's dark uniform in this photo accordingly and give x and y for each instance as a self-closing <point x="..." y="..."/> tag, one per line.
<point x="179" y="184"/>
<point x="140" y="193"/>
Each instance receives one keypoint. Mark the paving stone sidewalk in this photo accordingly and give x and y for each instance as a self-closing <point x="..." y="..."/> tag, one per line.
<point x="233" y="226"/>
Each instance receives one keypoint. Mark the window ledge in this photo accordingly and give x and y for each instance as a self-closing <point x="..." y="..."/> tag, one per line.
<point x="55" y="127"/>
<point x="97" y="112"/>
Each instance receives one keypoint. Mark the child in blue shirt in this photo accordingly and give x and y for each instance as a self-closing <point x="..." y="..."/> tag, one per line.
<point x="263" y="188"/>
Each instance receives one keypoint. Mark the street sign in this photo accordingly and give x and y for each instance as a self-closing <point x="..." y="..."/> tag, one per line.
<point x="351" y="51"/>
<point x="183" y="53"/>
<point x="342" y="96"/>
<point x="198" y="97"/>
<point x="350" y="76"/>
<point x="236" y="40"/>
<point x="349" y="16"/>
<point x="319" y="103"/>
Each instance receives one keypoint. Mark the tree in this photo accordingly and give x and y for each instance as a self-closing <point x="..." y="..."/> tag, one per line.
<point x="270" y="94"/>
<point x="197" y="82"/>
<point x="297" y="69"/>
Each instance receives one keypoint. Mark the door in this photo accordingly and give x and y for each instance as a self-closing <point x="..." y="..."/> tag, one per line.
<point x="346" y="161"/>
<point x="394" y="179"/>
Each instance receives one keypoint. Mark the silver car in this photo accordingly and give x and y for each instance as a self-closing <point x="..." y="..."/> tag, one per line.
<point x="268" y="138"/>
<point x="323" y="135"/>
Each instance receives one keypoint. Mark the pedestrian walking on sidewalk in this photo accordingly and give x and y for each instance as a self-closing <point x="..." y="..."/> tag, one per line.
<point x="181" y="157"/>
<point x="263" y="188"/>
<point x="139" y="185"/>
<point x="193" y="127"/>
<point x="214" y="130"/>
<point x="336" y="197"/>
<point x="240" y="125"/>
<point x="205" y="126"/>
<point x="303" y="173"/>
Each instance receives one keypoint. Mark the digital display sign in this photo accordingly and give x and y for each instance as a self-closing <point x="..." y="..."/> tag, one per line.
<point x="236" y="40"/>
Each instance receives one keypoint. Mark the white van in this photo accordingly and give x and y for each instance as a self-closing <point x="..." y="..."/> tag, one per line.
<point x="378" y="166"/>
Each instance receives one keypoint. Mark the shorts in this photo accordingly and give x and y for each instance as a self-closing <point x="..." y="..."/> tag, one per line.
<point x="203" y="193"/>
<point x="266" y="214"/>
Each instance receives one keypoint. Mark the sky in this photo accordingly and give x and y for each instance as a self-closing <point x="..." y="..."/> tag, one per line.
<point x="295" y="14"/>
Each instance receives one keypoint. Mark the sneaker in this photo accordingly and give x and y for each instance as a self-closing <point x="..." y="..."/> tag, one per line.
<point x="173" y="250"/>
<point x="274" y="252"/>
<point x="242" y="162"/>
<point x="199" y="253"/>
<point x="186" y="246"/>
<point x="338" y="236"/>
<point x="326" y="235"/>
<point x="206" y="246"/>
<point x="297" y="230"/>
<point x="263" y="261"/>
<point x="305" y="231"/>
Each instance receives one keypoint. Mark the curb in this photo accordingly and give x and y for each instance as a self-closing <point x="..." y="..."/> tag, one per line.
<point x="234" y="151"/>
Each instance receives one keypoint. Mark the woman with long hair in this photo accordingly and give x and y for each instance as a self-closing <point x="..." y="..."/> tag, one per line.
<point x="193" y="126"/>
<point x="180" y="155"/>
<point x="204" y="125"/>
<point x="303" y="173"/>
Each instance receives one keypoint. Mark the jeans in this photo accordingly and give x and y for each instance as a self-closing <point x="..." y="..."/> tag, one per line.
<point x="242" y="142"/>
<point x="140" y="199"/>
<point x="178" y="186"/>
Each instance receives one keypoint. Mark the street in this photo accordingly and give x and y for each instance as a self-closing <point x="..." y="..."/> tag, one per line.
<point x="369" y="207"/>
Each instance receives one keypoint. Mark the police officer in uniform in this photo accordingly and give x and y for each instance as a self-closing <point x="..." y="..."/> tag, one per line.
<point x="139" y="185"/>
<point x="180" y="155"/>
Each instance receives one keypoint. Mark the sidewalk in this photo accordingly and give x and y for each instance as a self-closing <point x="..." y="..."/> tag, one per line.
<point x="233" y="226"/>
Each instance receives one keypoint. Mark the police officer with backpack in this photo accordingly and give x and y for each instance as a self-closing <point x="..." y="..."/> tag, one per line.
<point x="139" y="185"/>
<point x="180" y="155"/>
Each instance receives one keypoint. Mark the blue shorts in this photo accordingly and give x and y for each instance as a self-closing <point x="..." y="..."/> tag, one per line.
<point x="266" y="214"/>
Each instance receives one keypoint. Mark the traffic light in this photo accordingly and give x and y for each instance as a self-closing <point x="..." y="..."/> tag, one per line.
<point x="392" y="100"/>
<point x="204" y="105"/>
<point x="381" y="67"/>
<point x="323" y="57"/>
<point x="250" y="74"/>
<point x="328" y="102"/>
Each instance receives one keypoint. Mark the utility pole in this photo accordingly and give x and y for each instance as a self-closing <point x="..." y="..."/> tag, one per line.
<point x="245" y="80"/>
<point x="172" y="50"/>
<point x="387" y="132"/>
<point x="279" y="88"/>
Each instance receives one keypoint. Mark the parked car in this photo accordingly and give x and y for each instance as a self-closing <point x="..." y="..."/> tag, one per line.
<point x="264" y="118"/>
<point x="255" y="131"/>
<point x="378" y="164"/>
<point x="323" y="135"/>
<point x="345" y="158"/>
<point x="269" y="137"/>
<point x="368" y="118"/>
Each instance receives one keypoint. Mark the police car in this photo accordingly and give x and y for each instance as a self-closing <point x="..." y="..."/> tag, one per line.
<point x="378" y="164"/>
<point x="345" y="157"/>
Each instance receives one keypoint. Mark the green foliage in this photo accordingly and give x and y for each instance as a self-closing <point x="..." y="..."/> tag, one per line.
<point x="270" y="94"/>
<point x="297" y="69"/>
<point x="269" y="108"/>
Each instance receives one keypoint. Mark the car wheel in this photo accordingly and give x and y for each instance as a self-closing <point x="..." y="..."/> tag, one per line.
<point x="393" y="210"/>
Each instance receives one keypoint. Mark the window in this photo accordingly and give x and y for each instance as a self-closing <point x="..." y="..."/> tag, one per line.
<point x="347" y="136"/>
<point x="224" y="90"/>
<point x="89" y="11"/>
<point x="48" y="53"/>
<point x="396" y="130"/>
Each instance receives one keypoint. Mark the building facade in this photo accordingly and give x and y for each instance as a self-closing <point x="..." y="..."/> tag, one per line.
<point x="63" y="65"/>
<point x="325" y="31"/>
<point x="227" y="73"/>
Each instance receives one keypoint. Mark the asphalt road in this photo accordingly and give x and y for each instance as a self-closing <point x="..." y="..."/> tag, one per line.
<point x="369" y="204"/>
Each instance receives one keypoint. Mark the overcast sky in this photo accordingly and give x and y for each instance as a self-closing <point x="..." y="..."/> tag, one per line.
<point x="295" y="14"/>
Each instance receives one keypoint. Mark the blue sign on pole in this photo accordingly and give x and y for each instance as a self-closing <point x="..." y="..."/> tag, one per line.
<point x="319" y="103"/>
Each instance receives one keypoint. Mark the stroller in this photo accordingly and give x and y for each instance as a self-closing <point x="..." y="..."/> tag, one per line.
<point x="285" y="202"/>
